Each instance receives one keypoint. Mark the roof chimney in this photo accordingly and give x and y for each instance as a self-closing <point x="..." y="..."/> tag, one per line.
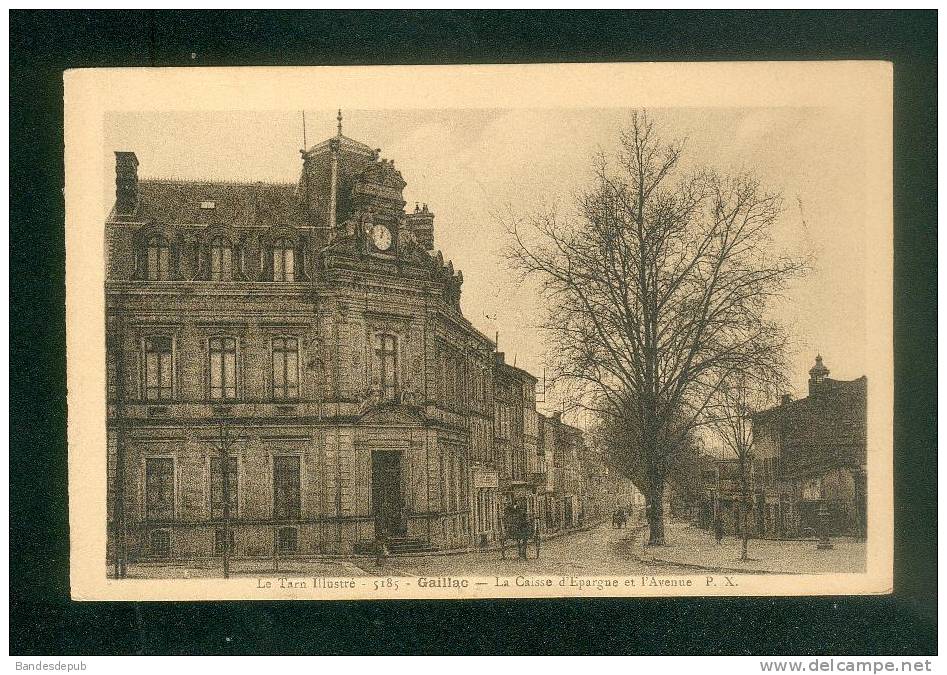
<point x="126" y="182"/>
<point x="421" y="222"/>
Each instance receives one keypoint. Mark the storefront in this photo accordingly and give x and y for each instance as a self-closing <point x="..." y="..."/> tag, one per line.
<point x="486" y="484"/>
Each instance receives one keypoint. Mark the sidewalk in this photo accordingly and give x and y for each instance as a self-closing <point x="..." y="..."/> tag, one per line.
<point x="317" y="565"/>
<point x="242" y="568"/>
<point x="690" y="546"/>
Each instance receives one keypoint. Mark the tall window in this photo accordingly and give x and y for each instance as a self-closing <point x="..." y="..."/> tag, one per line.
<point x="113" y="354"/>
<point x="286" y="504"/>
<point x="460" y="375"/>
<point x="285" y="368"/>
<point x="284" y="261"/>
<point x="479" y="384"/>
<point x="453" y="482"/>
<point x="158" y="367"/>
<point x="217" y="486"/>
<point x="502" y="420"/>
<point x="221" y="259"/>
<point x="159" y="259"/>
<point x="450" y="375"/>
<point x="445" y="483"/>
<point x="386" y="360"/>
<point x="159" y="487"/>
<point x="223" y="368"/>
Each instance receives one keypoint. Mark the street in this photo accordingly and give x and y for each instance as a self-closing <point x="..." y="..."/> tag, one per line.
<point x="599" y="550"/>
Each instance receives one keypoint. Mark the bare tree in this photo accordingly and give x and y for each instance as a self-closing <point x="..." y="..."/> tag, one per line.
<point x="730" y="414"/>
<point x="656" y="289"/>
<point x="621" y="437"/>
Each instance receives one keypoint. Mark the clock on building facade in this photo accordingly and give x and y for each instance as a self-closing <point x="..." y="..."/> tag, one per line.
<point x="382" y="238"/>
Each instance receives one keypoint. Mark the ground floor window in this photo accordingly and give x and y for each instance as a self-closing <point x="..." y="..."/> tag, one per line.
<point x="159" y="543"/>
<point x="217" y="486"/>
<point x="287" y="540"/>
<point x="286" y="497"/>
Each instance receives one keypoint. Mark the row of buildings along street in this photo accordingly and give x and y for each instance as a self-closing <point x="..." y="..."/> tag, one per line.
<point x="290" y="374"/>
<point x="808" y="472"/>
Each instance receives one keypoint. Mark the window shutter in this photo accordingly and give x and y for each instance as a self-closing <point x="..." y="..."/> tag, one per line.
<point x="201" y="263"/>
<point x="239" y="250"/>
<point x="174" y="253"/>
<point x="266" y="261"/>
<point x="140" y="260"/>
<point x="300" y="262"/>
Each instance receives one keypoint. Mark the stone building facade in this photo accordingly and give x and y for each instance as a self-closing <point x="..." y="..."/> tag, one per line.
<point x="812" y="454"/>
<point x="568" y="453"/>
<point x="809" y="455"/>
<point x="516" y="435"/>
<point x="290" y="372"/>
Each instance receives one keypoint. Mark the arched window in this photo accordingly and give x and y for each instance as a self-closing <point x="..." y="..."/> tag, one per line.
<point x="159" y="259"/>
<point x="284" y="260"/>
<point x="221" y="259"/>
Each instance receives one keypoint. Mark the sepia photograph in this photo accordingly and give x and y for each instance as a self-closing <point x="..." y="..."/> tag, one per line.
<point x="500" y="333"/>
<point x="482" y="348"/>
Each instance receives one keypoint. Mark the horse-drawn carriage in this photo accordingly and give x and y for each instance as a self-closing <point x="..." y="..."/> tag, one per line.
<point x="519" y="530"/>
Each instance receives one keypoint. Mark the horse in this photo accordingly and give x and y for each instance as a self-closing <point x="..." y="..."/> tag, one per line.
<point x="516" y="526"/>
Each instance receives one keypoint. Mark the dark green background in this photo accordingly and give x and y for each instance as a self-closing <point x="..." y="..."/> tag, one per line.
<point x="44" y="621"/>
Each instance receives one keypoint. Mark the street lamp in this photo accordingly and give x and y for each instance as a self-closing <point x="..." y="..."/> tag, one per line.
<point x="226" y="442"/>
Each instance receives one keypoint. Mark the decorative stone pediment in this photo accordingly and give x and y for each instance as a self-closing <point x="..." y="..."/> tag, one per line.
<point x="390" y="414"/>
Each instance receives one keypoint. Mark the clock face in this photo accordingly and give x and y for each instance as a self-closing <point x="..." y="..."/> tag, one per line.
<point x="381" y="237"/>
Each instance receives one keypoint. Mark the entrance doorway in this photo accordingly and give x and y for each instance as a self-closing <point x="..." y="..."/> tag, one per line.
<point x="387" y="500"/>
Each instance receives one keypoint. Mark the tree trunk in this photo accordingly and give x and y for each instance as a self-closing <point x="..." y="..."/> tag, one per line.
<point x="656" y="514"/>
<point x="744" y="512"/>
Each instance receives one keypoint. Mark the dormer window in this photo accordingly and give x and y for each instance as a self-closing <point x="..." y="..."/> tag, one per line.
<point x="284" y="260"/>
<point x="221" y="259"/>
<point x="208" y="205"/>
<point x="159" y="259"/>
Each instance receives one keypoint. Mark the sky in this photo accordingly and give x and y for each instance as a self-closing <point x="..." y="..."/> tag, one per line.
<point x="473" y="167"/>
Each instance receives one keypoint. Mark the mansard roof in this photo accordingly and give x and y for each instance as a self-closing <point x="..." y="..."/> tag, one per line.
<point x="208" y="202"/>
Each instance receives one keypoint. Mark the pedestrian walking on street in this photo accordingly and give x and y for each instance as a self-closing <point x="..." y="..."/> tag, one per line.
<point x="718" y="529"/>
